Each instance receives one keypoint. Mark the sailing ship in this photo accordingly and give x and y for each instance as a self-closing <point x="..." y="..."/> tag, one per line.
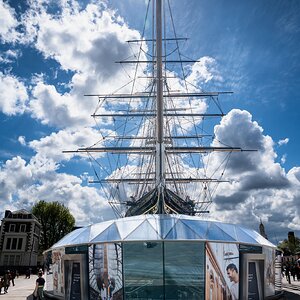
<point x="157" y="157"/>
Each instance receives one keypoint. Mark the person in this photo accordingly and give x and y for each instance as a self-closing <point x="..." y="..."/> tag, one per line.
<point x="39" y="287"/>
<point x="1" y="284"/>
<point x="27" y="274"/>
<point x="233" y="275"/>
<point x="13" y="276"/>
<point x="287" y="273"/>
<point x="6" y="279"/>
<point x="111" y="286"/>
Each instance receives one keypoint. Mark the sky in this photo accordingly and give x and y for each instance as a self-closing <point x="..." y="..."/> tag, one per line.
<point x="54" y="52"/>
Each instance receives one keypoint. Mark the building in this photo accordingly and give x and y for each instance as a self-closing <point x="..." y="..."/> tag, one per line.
<point x="162" y="257"/>
<point x="19" y="240"/>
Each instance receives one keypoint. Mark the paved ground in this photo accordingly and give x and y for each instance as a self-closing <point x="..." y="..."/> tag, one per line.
<point x="22" y="290"/>
<point x="291" y="291"/>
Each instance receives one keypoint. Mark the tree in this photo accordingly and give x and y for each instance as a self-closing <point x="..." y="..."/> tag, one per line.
<point x="290" y="246"/>
<point x="56" y="221"/>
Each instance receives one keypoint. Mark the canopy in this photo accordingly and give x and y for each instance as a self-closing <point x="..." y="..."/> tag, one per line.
<point x="162" y="228"/>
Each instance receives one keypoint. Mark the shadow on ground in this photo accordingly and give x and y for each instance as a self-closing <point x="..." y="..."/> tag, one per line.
<point x="290" y="296"/>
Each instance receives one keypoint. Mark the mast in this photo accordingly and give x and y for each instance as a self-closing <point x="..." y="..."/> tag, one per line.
<point x="155" y="155"/>
<point x="160" y="151"/>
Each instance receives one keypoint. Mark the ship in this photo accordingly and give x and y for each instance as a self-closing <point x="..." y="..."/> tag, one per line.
<point x="157" y="156"/>
<point x="157" y="162"/>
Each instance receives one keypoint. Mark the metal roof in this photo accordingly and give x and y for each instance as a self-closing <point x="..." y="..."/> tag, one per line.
<point x="162" y="228"/>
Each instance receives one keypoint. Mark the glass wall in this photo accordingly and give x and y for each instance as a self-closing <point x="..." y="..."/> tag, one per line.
<point x="143" y="270"/>
<point x="169" y="270"/>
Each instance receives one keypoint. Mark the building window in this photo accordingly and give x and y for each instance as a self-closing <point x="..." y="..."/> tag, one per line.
<point x="11" y="260"/>
<point x="22" y="228"/>
<point x="20" y="242"/>
<point x="8" y="243"/>
<point x="14" y="244"/>
<point x="5" y="261"/>
<point x="12" y="227"/>
<point x="17" y="260"/>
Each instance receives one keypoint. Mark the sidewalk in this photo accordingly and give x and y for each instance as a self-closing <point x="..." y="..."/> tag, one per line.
<point x="294" y="284"/>
<point x="22" y="290"/>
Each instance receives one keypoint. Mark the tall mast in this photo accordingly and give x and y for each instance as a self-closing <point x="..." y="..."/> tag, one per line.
<point x="160" y="151"/>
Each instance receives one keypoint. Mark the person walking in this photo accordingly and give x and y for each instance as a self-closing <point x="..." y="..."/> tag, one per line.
<point x="7" y="279"/>
<point x="39" y="287"/>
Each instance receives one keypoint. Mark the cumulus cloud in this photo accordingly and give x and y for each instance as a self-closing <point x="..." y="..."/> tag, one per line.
<point x="52" y="146"/>
<point x="203" y="71"/>
<point x="258" y="186"/>
<point x="37" y="180"/>
<point x="14" y="95"/>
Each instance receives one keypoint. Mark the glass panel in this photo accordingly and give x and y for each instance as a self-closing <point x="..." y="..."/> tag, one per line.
<point x="14" y="244"/>
<point x="20" y="244"/>
<point x="8" y="242"/>
<point x="184" y="270"/>
<point x="143" y="270"/>
<point x="105" y="271"/>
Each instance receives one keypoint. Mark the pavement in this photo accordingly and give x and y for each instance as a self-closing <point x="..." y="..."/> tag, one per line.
<point x="291" y="291"/>
<point x="22" y="290"/>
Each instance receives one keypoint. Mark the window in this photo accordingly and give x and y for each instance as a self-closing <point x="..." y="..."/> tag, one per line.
<point x="20" y="242"/>
<point x="14" y="244"/>
<point x="5" y="261"/>
<point x="12" y="227"/>
<point x="22" y="228"/>
<point x="17" y="260"/>
<point x="11" y="260"/>
<point x="8" y="243"/>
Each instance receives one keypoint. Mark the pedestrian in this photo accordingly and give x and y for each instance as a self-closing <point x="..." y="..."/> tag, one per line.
<point x="287" y="273"/>
<point x="13" y="276"/>
<point x="1" y="284"/>
<point x="6" y="278"/>
<point x="39" y="287"/>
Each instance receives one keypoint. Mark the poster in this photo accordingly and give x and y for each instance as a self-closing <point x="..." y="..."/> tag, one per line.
<point x="222" y="271"/>
<point x="105" y="271"/>
<point x="270" y="271"/>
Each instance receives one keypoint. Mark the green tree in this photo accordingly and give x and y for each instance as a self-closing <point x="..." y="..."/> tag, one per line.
<point x="290" y="246"/>
<point x="56" y="221"/>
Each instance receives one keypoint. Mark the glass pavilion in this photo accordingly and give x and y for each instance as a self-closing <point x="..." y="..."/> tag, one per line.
<point x="162" y="257"/>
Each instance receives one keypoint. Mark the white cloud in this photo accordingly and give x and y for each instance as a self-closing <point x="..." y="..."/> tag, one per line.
<point x="283" y="159"/>
<point x="37" y="180"/>
<point x="203" y="71"/>
<point x="14" y="95"/>
<point x="21" y="140"/>
<point x="283" y="142"/>
<point x="52" y="146"/>
<point x="8" y="23"/>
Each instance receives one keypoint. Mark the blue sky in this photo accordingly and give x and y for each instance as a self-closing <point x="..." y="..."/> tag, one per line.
<point x="54" y="52"/>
